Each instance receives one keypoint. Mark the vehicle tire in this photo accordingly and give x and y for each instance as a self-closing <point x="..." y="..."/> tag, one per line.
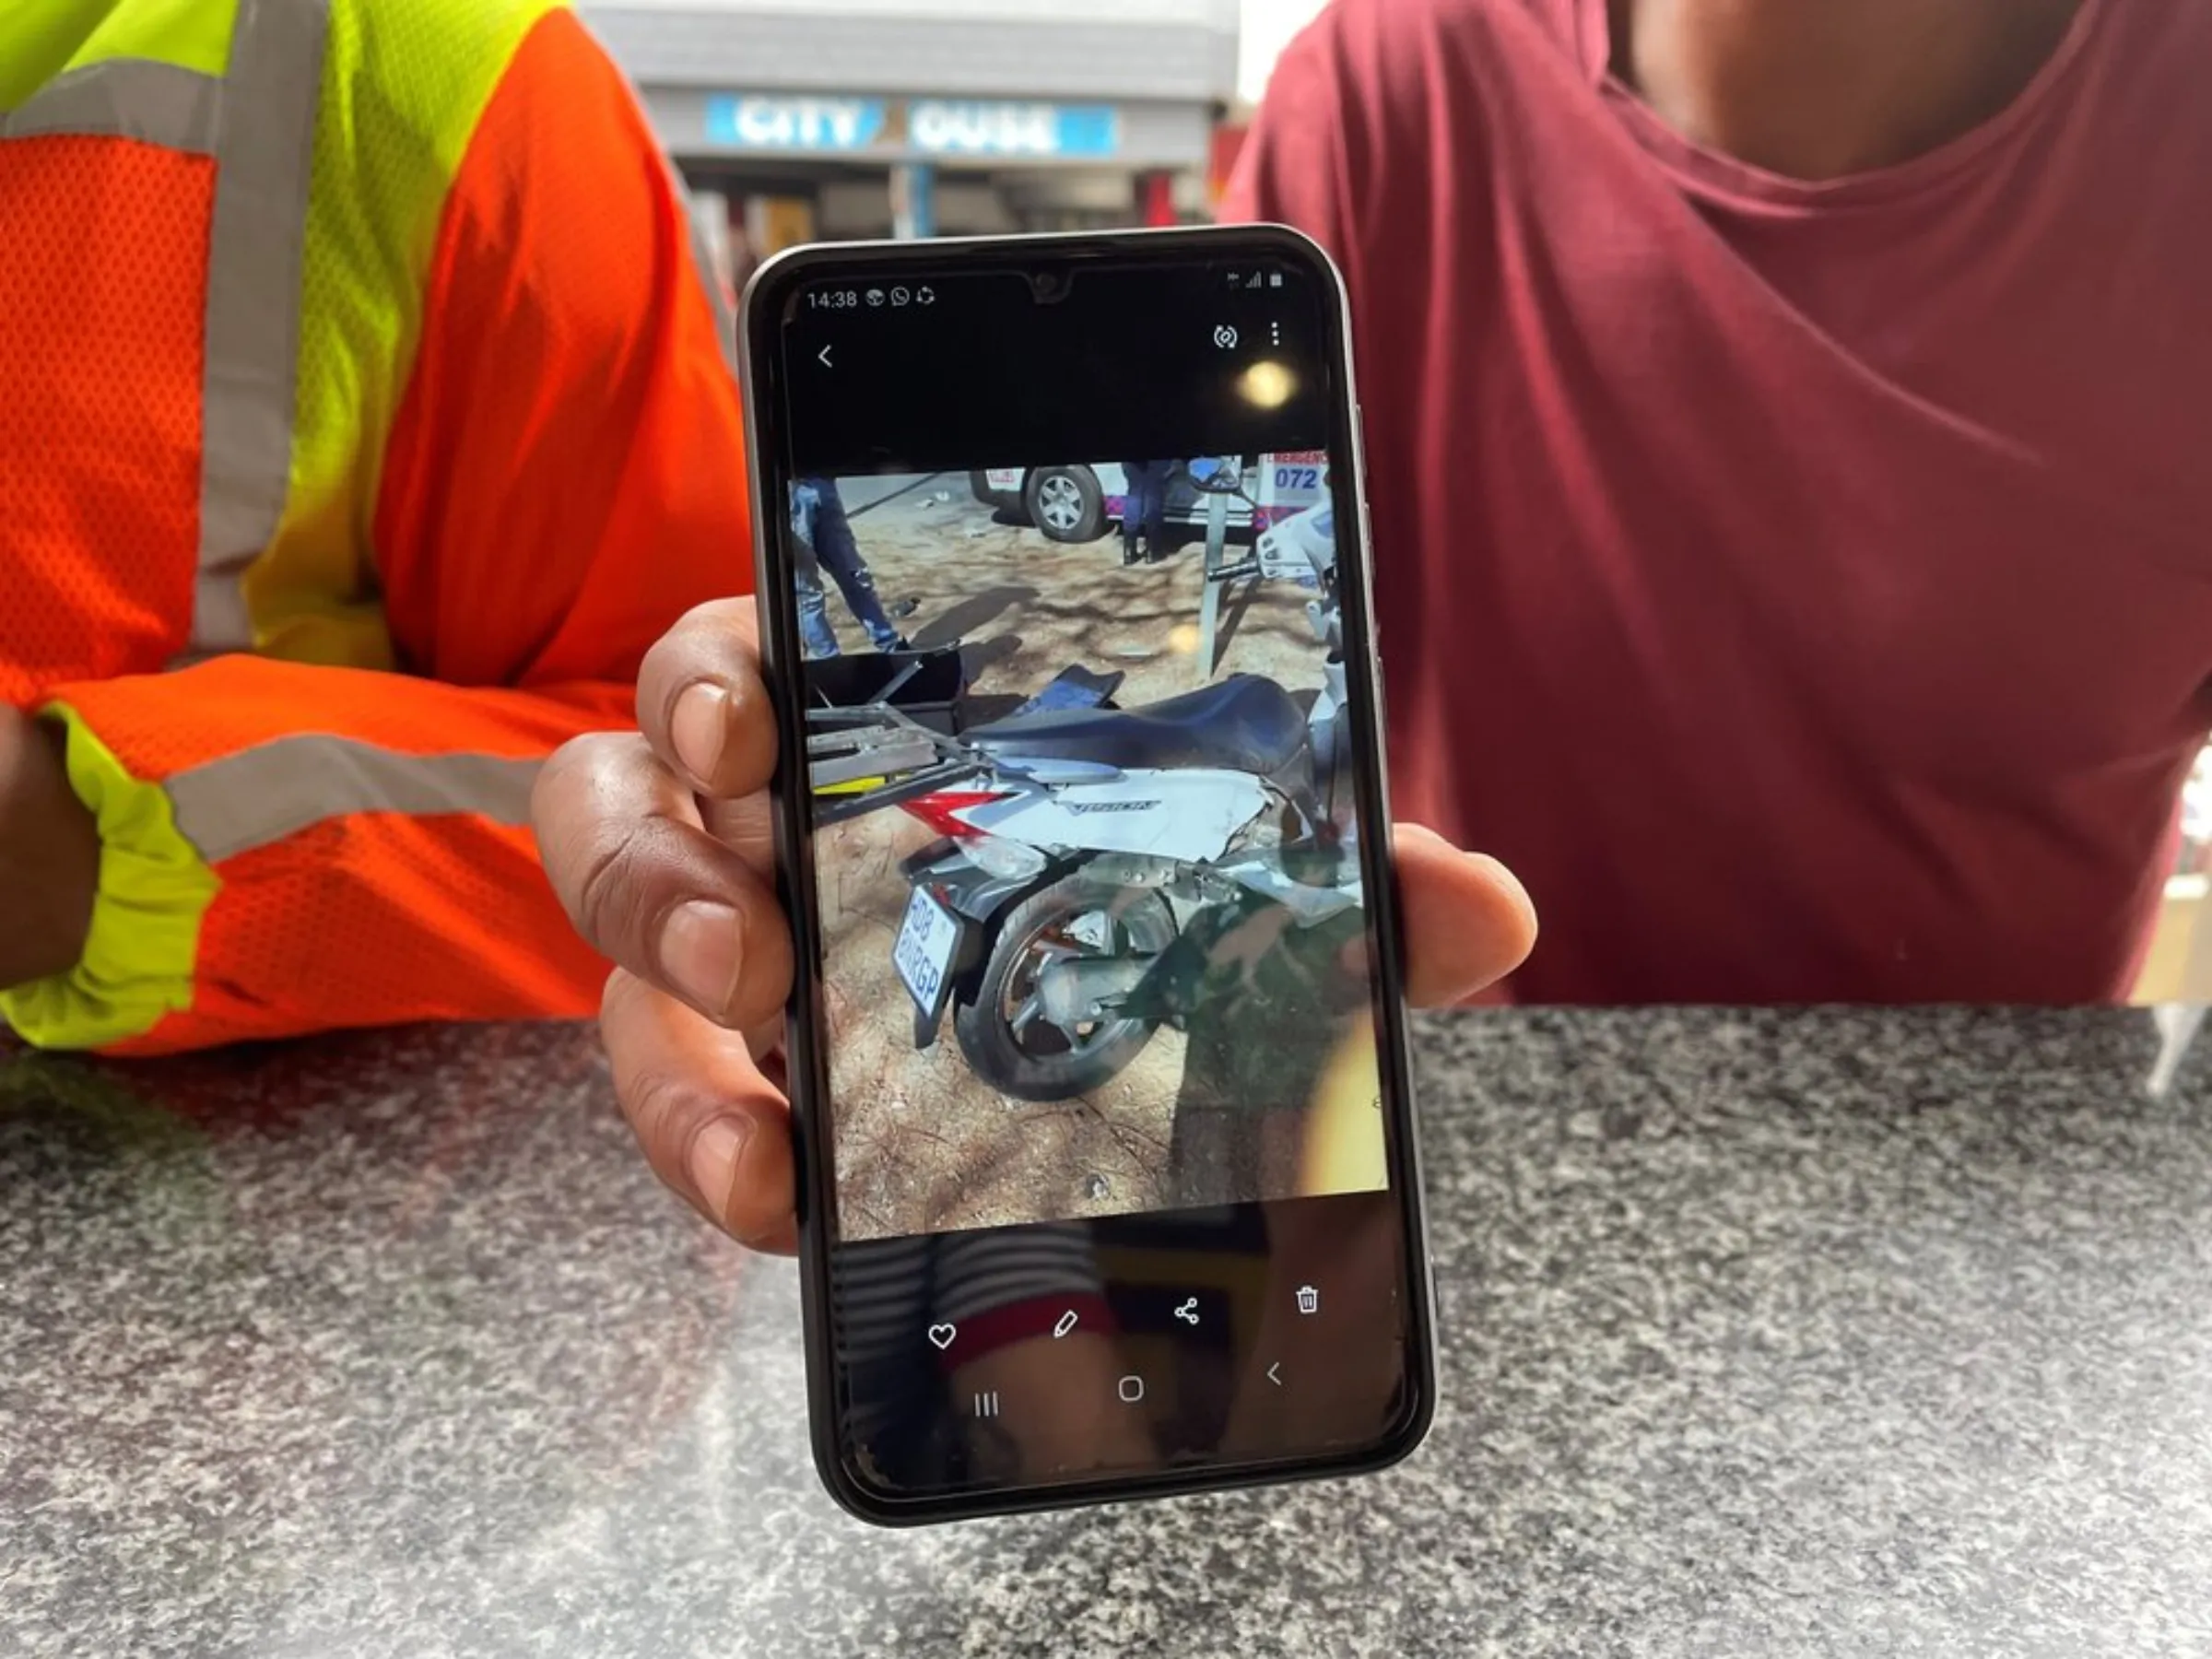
<point x="1036" y="1060"/>
<point x="1066" y="503"/>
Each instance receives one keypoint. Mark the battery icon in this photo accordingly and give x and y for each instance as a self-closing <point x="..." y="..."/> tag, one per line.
<point x="1275" y="280"/>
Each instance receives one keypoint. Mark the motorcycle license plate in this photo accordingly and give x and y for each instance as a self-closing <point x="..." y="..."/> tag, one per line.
<point x="924" y="954"/>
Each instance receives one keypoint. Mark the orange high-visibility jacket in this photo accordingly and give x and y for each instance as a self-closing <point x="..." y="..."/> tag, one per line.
<point x="364" y="415"/>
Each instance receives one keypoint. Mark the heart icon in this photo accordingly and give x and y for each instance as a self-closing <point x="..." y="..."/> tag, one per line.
<point x="941" y="1336"/>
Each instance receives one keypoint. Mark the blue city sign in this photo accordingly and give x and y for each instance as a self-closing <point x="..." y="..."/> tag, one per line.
<point x="953" y="129"/>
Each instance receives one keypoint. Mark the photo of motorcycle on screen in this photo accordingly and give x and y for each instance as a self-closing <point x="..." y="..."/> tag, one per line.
<point x="1086" y="853"/>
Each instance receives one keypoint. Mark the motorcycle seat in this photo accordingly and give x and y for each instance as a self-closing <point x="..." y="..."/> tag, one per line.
<point x="1244" y="724"/>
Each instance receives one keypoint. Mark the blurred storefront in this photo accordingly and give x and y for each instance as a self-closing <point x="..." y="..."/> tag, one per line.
<point x="854" y="118"/>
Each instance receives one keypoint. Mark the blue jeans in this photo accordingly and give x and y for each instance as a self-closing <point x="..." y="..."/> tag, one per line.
<point x="824" y="542"/>
<point x="1145" y="504"/>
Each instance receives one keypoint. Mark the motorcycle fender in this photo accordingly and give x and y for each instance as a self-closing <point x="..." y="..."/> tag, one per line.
<point x="979" y="940"/>
<point x="925" y="861"/>
<point x="967" y="888"/>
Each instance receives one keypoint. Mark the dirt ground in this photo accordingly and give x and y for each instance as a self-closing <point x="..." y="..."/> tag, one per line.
<point x="922" y="1146"/>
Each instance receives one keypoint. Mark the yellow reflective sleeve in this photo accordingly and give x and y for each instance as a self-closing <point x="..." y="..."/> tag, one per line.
<point x="42" y="39"/>
<point x="404" y="83"/>
<point x="190" y="34"/>
<point x="154" y="889"/>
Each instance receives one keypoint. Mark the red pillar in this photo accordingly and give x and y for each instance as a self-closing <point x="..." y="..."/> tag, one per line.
<point x="1155" y="200"/>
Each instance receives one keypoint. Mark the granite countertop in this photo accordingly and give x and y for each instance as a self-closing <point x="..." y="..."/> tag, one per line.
<point x="1766" y="1334"/>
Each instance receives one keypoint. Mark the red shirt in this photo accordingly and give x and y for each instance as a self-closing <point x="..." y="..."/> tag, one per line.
<point x="1804" y="587"/>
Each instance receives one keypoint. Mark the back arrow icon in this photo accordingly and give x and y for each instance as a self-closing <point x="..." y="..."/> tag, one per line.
<point x="1272" y="1377"/>
<point x="824" y="355"/>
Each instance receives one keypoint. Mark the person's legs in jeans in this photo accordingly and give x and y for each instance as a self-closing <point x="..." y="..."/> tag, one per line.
<point x="839" y="556"/>
<point x="1142" y="508"/>
<point x="1156" y="510"/>
<point x="814" y="632"/>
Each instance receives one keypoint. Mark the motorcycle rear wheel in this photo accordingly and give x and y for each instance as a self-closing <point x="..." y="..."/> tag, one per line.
<point x="1032" y="1059"/>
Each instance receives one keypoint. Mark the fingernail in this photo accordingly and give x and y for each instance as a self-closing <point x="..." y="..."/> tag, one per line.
<point x="700" y="948"/>
<point x="714" y="1154"/>
<point x="700" y="727"/>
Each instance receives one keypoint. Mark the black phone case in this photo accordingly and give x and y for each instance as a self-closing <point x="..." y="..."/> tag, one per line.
<point x="764" y="300"/>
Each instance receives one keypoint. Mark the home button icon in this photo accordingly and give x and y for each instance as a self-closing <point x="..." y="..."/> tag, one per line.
<point x="1132" y="1390"/>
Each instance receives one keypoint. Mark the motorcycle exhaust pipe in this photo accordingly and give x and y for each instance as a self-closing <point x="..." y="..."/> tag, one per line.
<point x="1076" y="991"/>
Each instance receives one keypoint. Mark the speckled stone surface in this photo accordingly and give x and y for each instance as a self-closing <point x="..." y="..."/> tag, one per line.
<point x="1767" y="1333"/>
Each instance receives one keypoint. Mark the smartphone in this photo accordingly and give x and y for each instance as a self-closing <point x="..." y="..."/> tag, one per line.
<point x="1108" y="1178"/>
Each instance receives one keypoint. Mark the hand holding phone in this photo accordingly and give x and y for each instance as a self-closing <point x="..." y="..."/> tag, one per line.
<point x="706" y="1100"/>
<point x="1016" y="1406"/>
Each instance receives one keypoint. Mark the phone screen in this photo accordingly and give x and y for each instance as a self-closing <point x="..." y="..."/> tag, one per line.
<point x="1105" y="1085"/>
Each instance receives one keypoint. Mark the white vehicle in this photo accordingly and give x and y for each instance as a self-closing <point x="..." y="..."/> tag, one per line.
<point x="1082" y="501"/>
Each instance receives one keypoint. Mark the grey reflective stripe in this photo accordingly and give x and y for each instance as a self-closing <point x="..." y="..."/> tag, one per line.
<point x="264" y="158"/>
<point x="154" y="103"/>
<point x="262" y="794"/>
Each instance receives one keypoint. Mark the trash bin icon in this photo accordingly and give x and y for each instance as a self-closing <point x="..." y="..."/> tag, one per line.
<point x="1308" y="1300"/>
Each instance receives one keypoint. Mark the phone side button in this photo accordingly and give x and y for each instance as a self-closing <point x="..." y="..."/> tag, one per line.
<point x="1367" y="583"/>
<point x="1380" y="681"/>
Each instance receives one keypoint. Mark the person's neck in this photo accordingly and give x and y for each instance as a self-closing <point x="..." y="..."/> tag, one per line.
<point x="1821" y="88"/>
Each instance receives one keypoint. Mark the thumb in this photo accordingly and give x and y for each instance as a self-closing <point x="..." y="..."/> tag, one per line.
<point x="1468" y="922"/>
